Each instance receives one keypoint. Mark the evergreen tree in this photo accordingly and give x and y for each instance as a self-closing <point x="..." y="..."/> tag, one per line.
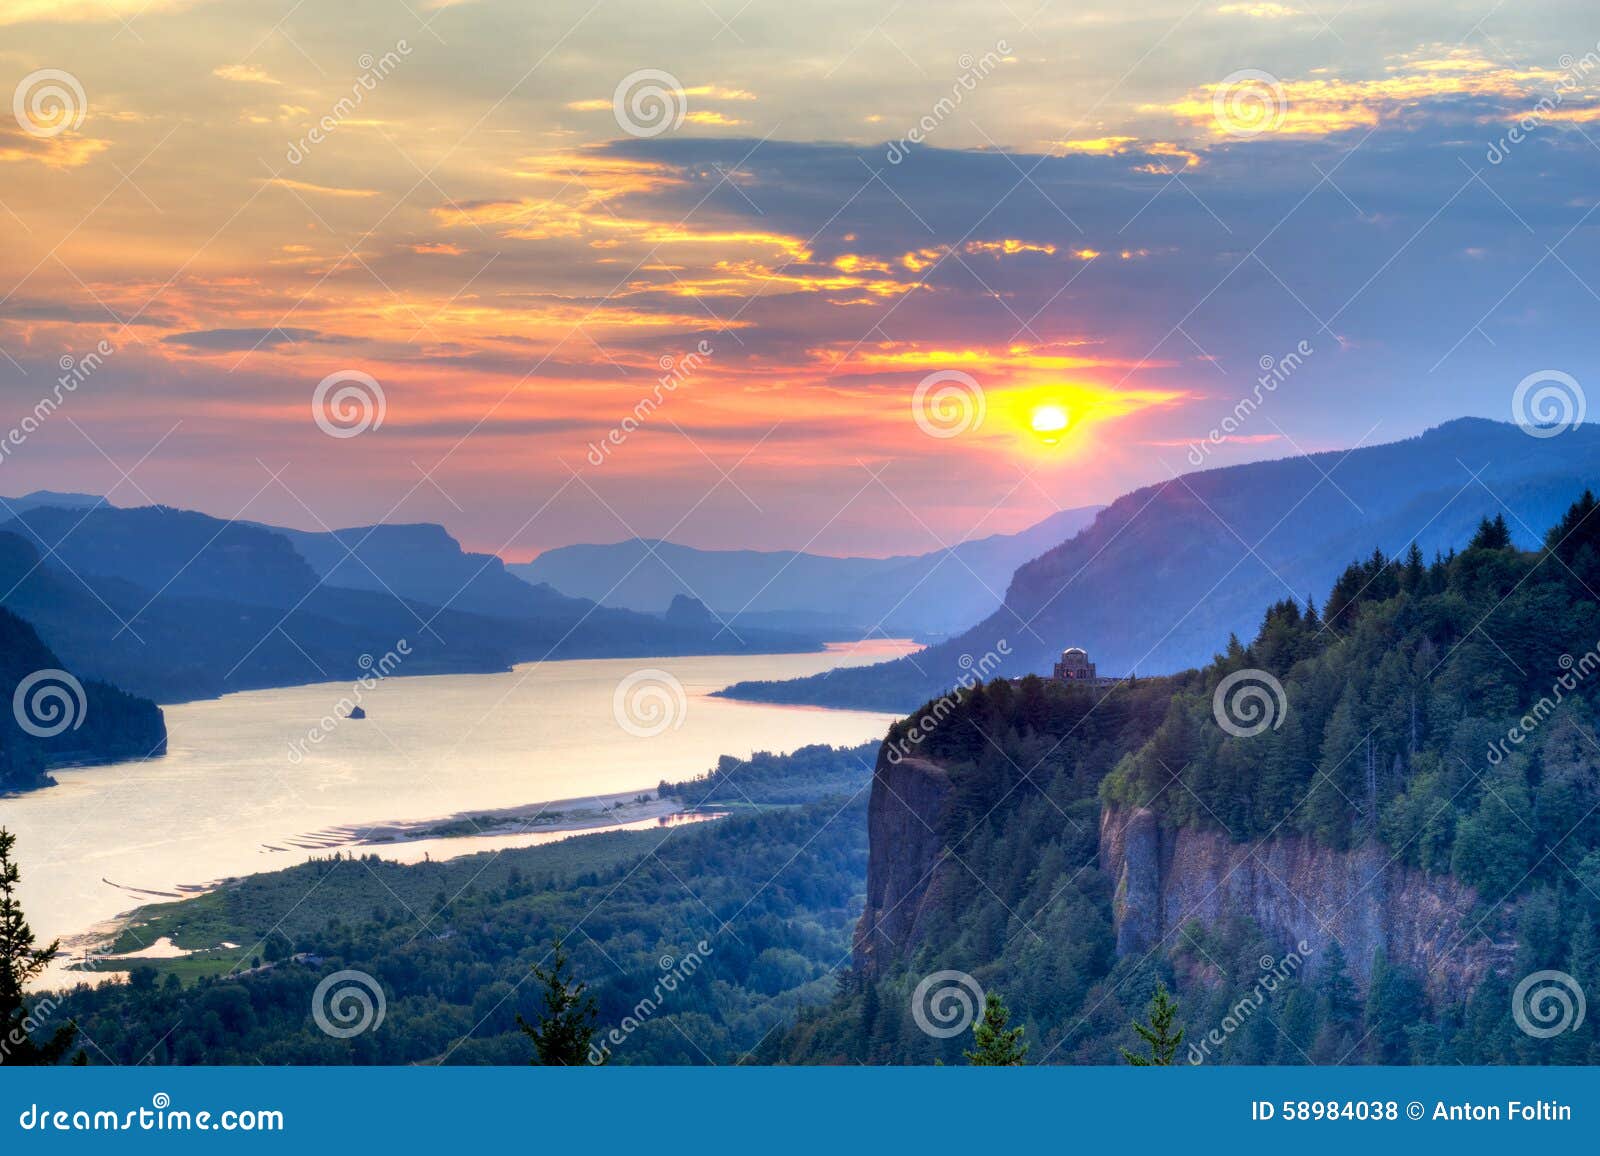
<point x="1495" y="535"/>
<point x="20" y="963"/>
<point x="1162" y="1040"/>
<point x="565" y="1029"/>
<point x="999" y="1046"/>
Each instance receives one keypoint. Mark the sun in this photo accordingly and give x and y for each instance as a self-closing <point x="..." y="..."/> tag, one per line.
<point x="1049" y="422"/>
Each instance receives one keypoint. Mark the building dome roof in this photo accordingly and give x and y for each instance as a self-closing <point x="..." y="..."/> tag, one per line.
<point x="1074" y="650"/>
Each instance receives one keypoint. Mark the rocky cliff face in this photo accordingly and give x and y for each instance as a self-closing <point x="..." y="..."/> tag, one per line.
<point x="906" y="860"/>
<point x="1296" y="889"/>
<point x="1292" y="887"/>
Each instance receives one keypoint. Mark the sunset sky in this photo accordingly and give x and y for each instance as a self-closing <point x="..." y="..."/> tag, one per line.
<point x="1120" y="214"/>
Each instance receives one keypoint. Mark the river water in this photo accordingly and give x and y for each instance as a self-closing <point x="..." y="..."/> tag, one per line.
<point x="265" y="779"/>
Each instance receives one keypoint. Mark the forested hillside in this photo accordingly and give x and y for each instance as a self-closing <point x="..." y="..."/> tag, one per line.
<point x="1435" y="716"/>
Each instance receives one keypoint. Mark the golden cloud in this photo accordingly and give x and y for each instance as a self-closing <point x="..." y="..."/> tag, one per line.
<point x="244" y="74"/>
<point x="1321" y="106"/>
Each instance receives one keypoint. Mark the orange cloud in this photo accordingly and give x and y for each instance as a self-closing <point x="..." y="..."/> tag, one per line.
<point x="1261" y="104"/>
<point x="1008" y="248"/>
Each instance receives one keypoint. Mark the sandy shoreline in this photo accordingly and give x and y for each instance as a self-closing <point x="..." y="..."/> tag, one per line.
<point x="587" y="815"/>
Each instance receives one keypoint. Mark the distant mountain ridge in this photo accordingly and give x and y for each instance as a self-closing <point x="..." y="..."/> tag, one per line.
<point x="1168" y="569"/>
<point x="177" y="605"/>
<point x="913" y="594"/>
<point x="50" y="725"/>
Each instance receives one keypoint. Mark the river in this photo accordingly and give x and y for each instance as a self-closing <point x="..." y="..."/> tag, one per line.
<point x="265" y="779"/>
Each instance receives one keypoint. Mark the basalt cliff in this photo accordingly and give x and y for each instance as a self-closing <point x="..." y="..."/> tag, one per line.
<point x="1160" y="879"/>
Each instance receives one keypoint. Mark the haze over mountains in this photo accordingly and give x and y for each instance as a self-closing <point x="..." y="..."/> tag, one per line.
<point x="920" y="595"/>
<point x="1168" y="570"/>
<point x="176" y="605"/>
